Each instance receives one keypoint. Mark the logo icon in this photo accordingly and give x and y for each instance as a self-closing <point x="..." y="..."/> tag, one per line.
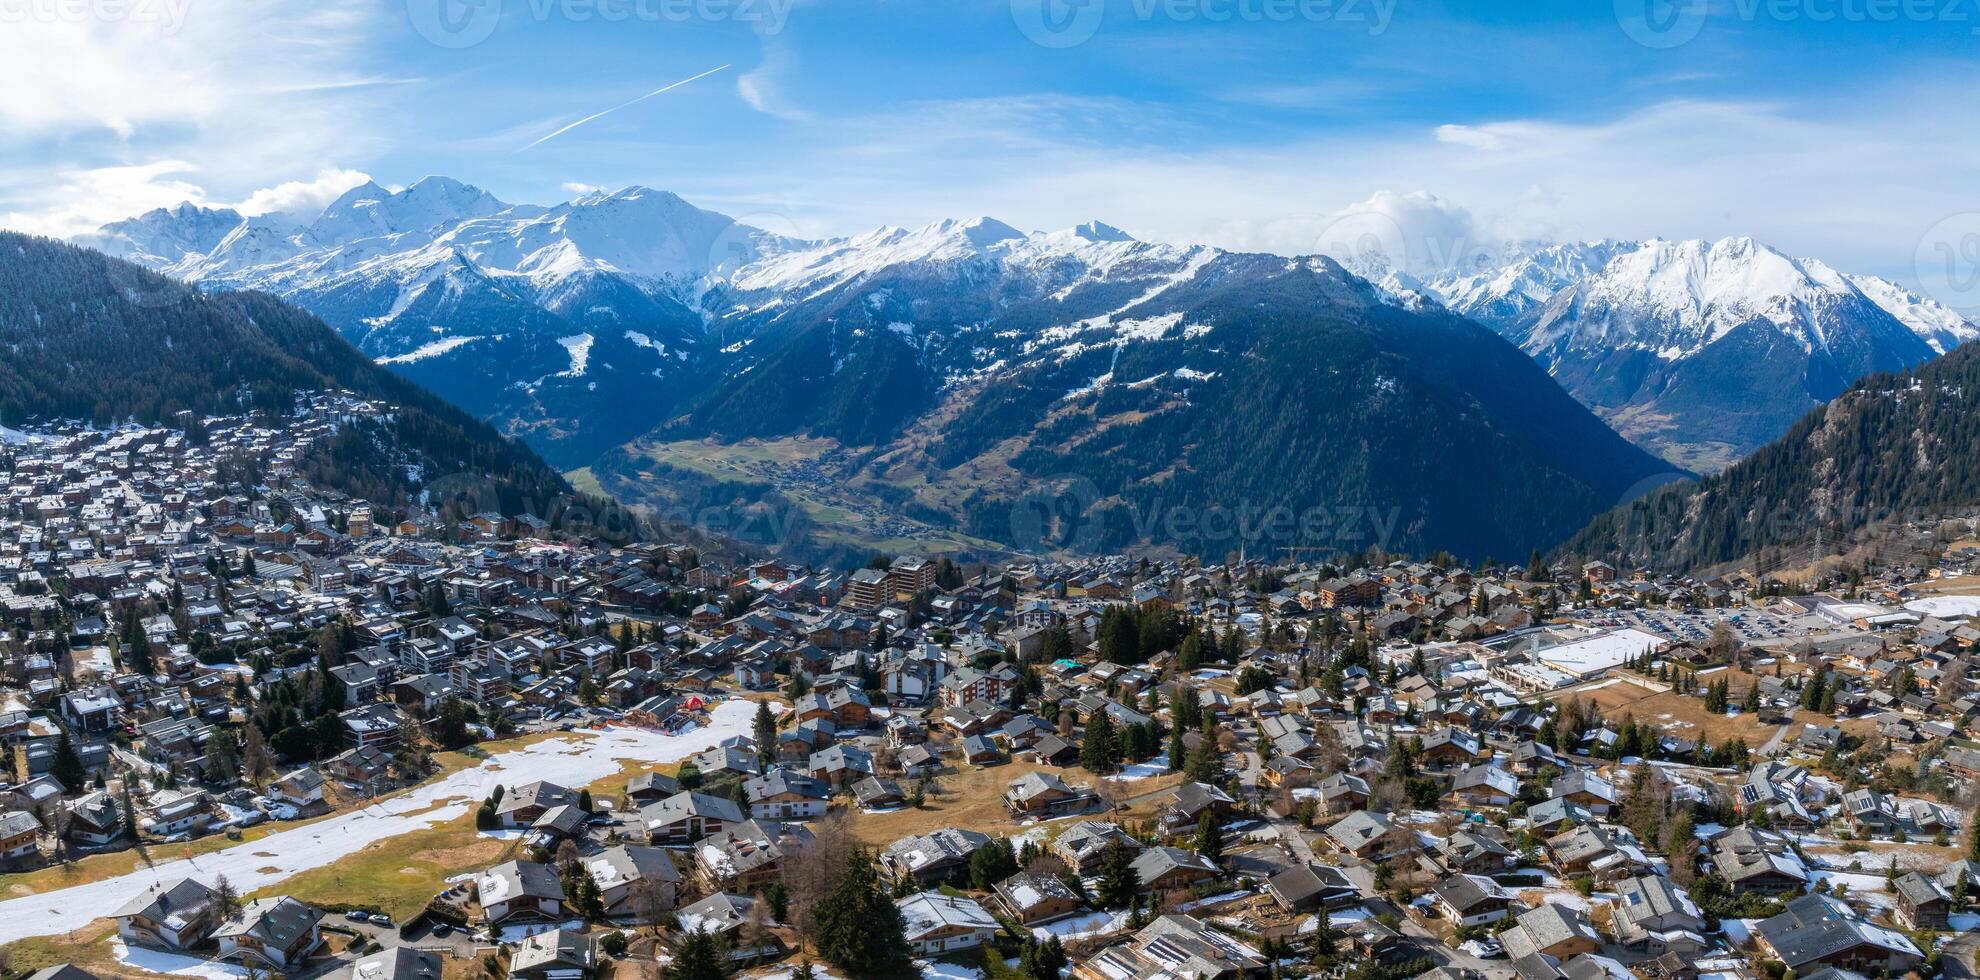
<point x="1058" y="24"/>
<point x="1661" y="24"/>
<point x="1948" y="260"/>
<point x="454" y="24"/>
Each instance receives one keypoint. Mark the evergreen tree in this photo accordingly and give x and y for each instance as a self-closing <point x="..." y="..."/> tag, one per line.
<point x="1100" y="750"/>
<point x="1120" y="884"/>
<point x="857" y="927"/>
<point x="992" y="863"/>
<point x="1209" y="838"/>
<point x="699" y="955"/>
<point x="67" y="767"/>
<point x="765" y="732"/>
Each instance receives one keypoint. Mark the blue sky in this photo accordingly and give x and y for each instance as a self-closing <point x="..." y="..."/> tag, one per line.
<point x="1841" y="129"/>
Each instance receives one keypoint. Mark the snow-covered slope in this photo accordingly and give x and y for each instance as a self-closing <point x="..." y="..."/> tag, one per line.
<point x="1699" y="349"/>
<point x="1940" y="326"/>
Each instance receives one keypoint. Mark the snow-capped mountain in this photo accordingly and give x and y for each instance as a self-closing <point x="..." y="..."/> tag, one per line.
<point x="1699" y="350"/>
<point x="968" y="358"/>
<point x="585" y="323"/>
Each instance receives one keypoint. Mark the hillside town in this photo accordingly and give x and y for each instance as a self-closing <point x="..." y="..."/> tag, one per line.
<point x="254" y="727"/>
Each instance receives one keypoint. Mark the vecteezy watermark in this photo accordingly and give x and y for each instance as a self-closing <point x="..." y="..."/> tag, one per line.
<point x="1947" y="261"/>
<point x="1670" y="23"/>
<point x="1070" y="23"/>
<point x="466" y="23"/>
<point x="1371" y="243"/>
<point x="1071" y="514"/>
<point x="169" y="15"/>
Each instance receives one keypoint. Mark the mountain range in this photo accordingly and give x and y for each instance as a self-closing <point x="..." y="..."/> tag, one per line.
<point x="964" y="374"/>
<point x="1699" y="351"/>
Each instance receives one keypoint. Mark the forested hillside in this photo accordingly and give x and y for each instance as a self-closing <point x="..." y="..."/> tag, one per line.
<point x="97" y="339"/>
<point x="1894" y="446"/>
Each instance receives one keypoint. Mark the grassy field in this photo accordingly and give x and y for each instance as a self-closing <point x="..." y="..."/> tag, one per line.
<point x="815" y="475"/>
<point x="399" y="875"/>
<point x="1685" y="716"/>
<point x="973" y="799"/>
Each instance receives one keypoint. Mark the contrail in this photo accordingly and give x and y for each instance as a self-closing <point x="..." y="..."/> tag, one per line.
<point x="643" y="98"/>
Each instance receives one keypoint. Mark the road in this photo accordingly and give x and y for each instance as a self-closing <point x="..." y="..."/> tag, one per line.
<point x="1773" y="746"/>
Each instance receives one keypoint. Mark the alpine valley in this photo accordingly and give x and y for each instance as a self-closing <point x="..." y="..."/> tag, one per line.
<point x="971" y="386"/>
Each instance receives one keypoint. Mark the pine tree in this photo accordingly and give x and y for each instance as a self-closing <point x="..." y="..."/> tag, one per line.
<point x="1100" y="750"/>
<point x="765" y="732"/>
<point x="857" y="927"/>
<point x="1120" y="884"/>
<point x="1209" y="838"/>
<point x="67" y="767"/>
<point x="700" y="955"/>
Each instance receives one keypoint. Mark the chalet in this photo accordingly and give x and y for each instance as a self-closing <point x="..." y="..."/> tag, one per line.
<point x="1303" y="888"/>
<point x="939" y="923"/>
<point x="785" y="794"/>
<point x="1084" y="844"/>
<point x="1921" y="902"/>
<point x="1174" y="945"/>
<point x="1041" y="793"/>
<point x="1470" y="900"/>
<point x="1652" y="915"/>
<point x="1369" y="836"/>
<point x="520" y="891"/>
<point x="1185" y="806"/>
<point x="688" y="817"/>
<point x="558" y="954"/>
<point x="1034" y="897"/>
<point x="1161" y="869"/>
<point x="276" y="934"/>
<point x="177" y="916"/>
<point x="634" y="882"/>
<point x="522" y="806"/>
<point x="1817" y="931"/>
<point x="1552" y="930"/>
<point x="19" y="831"/>
<point x="928" y="859"/>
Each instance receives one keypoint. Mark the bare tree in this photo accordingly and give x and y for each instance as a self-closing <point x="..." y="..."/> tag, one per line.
<point x="649" y="903"/>
<point x="811" y="877"/>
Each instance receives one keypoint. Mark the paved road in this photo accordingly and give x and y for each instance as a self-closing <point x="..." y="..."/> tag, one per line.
<point x="1773" y="746"/>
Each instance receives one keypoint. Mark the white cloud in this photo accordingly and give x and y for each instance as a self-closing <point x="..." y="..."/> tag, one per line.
<point x="581" y="188"/>
<point x="762" y="86"/>
<point x="106" y="115"/>
<point x="84" y="200"/>
<point x="1417" y="232"/>
<point x="1473" y="136"/>
<point x="1856" y="183"/>
<point x="303" y="198"/>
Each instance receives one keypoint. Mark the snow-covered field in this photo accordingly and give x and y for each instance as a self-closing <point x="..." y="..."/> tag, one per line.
<point x="174" y="964"/>
<point x="1949" y="606"/>
<point x="1157" y="766"/>
<point x="1082" y="926"/>
<point x="256" y="864"/>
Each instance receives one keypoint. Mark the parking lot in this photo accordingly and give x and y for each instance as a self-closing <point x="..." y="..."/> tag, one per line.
<point x="1750" y="625"/>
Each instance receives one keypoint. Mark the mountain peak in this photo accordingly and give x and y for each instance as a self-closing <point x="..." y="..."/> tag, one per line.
<point x="1099" y="231"/>
<point x="988" y="231"/>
